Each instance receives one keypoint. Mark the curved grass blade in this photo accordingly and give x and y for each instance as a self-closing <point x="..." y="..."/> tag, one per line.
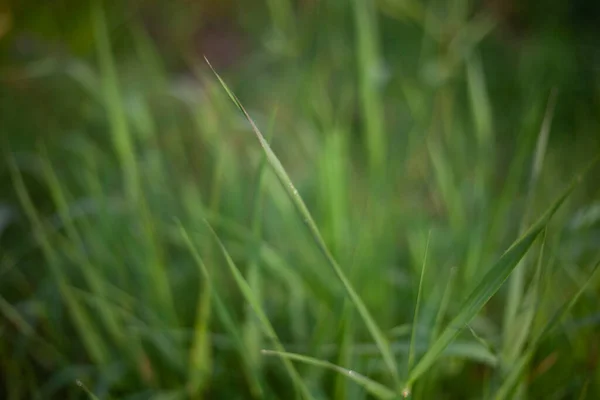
<point x="224" y="316"/>
<point x="505" y="391"/>
<point x="125" y="148"/>
<point x="292" y="192"/>
<point x="375" y="388"/>
<point x="93" y="342"/>
<point x="250" y="297"/>
<point x="488" y="286"/>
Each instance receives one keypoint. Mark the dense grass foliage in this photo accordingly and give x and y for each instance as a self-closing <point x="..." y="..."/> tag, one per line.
<point x="350" y="200"/>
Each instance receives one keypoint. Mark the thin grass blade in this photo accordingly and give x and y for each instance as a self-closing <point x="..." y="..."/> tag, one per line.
<point x="251" y="331"/>
<point x="224" y="316"/>
<point x="292" y="192"/>
<point x="86" y="390"/>
<point x="375" y="388"/>
<point x="505" y="391"/>
<point x="95" y="346"/>
<point x="517" y="280"/>
<point x="488" y="286"/>
<point x="260" y="314"/>
<point x="124" y="145"/>
<point x="415" y="324"/>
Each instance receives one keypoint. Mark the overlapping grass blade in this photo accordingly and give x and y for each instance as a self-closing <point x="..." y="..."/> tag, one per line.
<point x="89" y="271"/>
<point x="159" y="290"/>
<point x="292" y="192"/>
<point x="517" y="280"/>
<point x="516" y="372"/>
<point x="487" y="287"/>
<point x="224" y="316"/>
<point x="522" y="329"/>
<point x="375" y="388"/>
<point x="250" y="297"/>
<point x="93" y="342"/>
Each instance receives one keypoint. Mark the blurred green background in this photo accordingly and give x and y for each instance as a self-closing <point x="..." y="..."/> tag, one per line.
<point x="150" y="247"/>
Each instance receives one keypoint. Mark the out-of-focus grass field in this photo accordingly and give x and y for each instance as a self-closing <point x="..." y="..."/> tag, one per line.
<point x="365" y="199"/>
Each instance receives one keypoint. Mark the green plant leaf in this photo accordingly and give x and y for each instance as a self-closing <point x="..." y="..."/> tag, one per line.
<point x="250" y="297"/>
<point x="518" y="368"/>
<point x="487" y="287"/>
<point x="415" y="324"/>
<point x="292" y="192"/>
<point x="376" y="389"/>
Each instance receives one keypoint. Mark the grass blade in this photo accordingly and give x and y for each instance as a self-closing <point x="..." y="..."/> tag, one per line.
<point x="124" y="145"/>
<point x="90" y="272"/>
<point x="517" y="280"/>
<point x="516" y="372"/>
<point x="488" y="286"/>
<point x="224" y="316"/>
<point x="94" y="345"/>
<point x="257" y="308"/>
<point x="89" y="393"/>
<point x="292" y="192"/>
<point x="251" y="331"/>
<point x="522" y="329"/>
<point x="371" y="103"/>
<point x="123" y="141"/>
<point x="200" y="358"/>
<point x="415" y="324"/>
<point x="375" y="388"/>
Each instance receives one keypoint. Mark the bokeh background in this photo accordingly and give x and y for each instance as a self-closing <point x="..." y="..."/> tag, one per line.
<point x="424" y="137"/>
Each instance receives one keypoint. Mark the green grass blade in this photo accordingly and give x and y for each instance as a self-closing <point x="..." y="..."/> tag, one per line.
<point x="224" y="316"/>
<point x="516" y="372"/>
<point x="252" y="332"/>
<point x="510" y="381"/>
<point x="444" y="303"/>
<point x="91" y="273"/>
<point x="517" y="280"/>
<point x="371" y="103"/>
<point x="283" y="19"/>
<point x="260" y="314"/>
<point x="375" y="388"/>
<point x="86" y="390"/>
<point x="292" y="192"/>
<point x="415" y="324"/>
<point x="159" y="290"/>
<point x="522" y="329"/>
<point x="566" y="308"/>
<point x="122" y="139"/>
<point x="480" y="104"/>
<point x="200" y="357"/>
<point x="94" y="345"/>
<point x="488" y="286"/>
